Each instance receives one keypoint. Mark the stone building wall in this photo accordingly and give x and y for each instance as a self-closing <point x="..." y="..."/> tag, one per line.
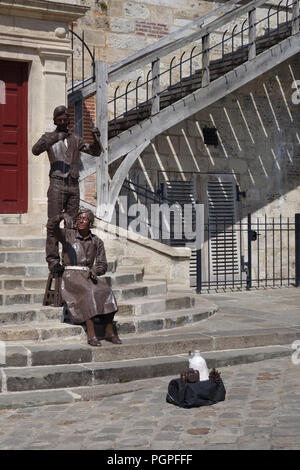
<point x="35" y="32"/>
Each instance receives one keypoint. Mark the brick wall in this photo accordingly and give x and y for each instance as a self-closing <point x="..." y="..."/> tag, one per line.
<point x="90" y="189"/>
<point x="88" y="122"/>
<point x="89" y="118"/>
<point x="71" y="110"/>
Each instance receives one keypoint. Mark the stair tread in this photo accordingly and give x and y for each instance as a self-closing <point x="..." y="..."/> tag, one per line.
<point x="34" y="324"/>
<point x="139" y="284"/>
<point x="149" y="299"/>
<point x="12" y="249"/>
<point x="165" y="314"/>
<point x="25" y="307"/>
<point x="134" y="285"/>
<point x="27" y="371"/>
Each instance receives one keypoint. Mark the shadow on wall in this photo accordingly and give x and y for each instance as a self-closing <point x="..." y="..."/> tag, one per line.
<point x="258" y="145"/>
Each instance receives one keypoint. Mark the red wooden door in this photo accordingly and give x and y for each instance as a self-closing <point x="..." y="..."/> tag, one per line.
<point x="13" y="136"/>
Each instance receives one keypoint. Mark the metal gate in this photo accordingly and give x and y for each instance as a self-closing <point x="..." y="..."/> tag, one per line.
<point x="269" y="253"/>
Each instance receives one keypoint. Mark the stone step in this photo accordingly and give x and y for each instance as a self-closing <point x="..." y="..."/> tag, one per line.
<point x="32" y="317"/>
<point x="21" y="282"/>
<point x="163" y="321"/>
<point x="33" y="291"/>
<point x="141" y="305"/>
<point x="23" y="230"/>
<point x="22" y="256"/>
<point x="16" y="281"/>
<point x="41" y="331"/>
<point x="91" y="374"/>
<point x="31" y="355"/>
<point x="129" y="276"/>
<point x="161" y="303"/>
<point x="139" y="289"/>
<point x="41" y="270"/>
<point x="21" y="296"/>
<point x="20" y="314"/>
<point x="161" y="343"/>
<point x="33" y="270"/>
<point x="25" y="242"/>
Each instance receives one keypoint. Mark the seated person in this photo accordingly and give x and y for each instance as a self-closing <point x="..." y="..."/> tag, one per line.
<point x="84" y="259"/>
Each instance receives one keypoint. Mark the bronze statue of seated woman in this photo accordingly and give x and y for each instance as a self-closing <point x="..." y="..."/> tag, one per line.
<point x="83" y="260"/>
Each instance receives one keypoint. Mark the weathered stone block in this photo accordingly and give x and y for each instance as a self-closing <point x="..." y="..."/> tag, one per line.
<point x="133" y="10"/>
<point x="94" y="37"/>
<point x="11" y="299"/>
<point x="126" y="41"/>
<point x="53" y="354"/>
<point x="179" y="321"/>
<point x="145" y="325"/>
<point x="121" y="25"/>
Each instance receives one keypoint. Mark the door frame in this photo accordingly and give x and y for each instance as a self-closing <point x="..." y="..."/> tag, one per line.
<point x="23" y="123"/>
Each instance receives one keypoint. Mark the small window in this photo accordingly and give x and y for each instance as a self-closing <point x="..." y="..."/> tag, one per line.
<point x="210" y="136"/>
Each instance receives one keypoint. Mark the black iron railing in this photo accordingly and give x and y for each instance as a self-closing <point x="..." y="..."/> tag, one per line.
<point x="259" y="253"/>
<point x="83" y="77"/>
<point x="161" y="228"/>
<point x="129" y="103"/>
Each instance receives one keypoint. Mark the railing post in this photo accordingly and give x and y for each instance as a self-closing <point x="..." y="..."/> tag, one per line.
<point x="155" y="87"/>
<point x="297" y="249"/>
<point x="101" y="70"/>
<point x="295" y="17"/>
<point x="249" y="263"/>
<point x="205" y="61"/>
<point x="199" y="270"/>
<point x="252" y="34"/>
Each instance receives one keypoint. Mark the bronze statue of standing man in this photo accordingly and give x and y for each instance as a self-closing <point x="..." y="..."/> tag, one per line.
<point x="63" y="150"/>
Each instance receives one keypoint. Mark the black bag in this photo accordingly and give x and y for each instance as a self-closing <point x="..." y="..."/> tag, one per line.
<point x="189" y="395"/>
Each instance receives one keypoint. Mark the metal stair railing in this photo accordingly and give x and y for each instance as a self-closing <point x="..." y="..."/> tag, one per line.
<point x="165" y="228"/>
<point x="160" y="89"/>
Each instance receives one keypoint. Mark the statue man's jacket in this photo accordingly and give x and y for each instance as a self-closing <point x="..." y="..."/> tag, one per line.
<point x="64" y="155"/>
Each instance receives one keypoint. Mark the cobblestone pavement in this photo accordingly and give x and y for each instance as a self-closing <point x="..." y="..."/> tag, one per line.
<point x="261" y="411"/>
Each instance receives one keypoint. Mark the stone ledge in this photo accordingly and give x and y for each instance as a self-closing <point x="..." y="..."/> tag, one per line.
<point x="62" y="11"/>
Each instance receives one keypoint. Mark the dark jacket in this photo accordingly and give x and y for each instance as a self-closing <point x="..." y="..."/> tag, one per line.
<point x="64" y="160"/>
<point x="85" y="298"/>
<point x="79" y="251"/>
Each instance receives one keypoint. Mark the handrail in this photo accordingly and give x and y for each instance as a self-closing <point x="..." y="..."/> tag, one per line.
<point x="148" y="55"/>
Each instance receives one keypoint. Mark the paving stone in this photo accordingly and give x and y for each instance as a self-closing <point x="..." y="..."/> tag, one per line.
<point x="40" y="398"/>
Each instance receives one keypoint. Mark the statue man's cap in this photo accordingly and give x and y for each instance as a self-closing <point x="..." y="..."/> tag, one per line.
<point x="59" y="111"/>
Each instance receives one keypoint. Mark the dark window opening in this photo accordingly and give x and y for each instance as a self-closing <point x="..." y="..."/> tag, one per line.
<point x="210" y="136"/>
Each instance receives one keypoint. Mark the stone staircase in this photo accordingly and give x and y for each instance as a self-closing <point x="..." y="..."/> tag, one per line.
<point x="41" y="353"/>
<point x="44" y="361"/>
<point x="218" y="68"/>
